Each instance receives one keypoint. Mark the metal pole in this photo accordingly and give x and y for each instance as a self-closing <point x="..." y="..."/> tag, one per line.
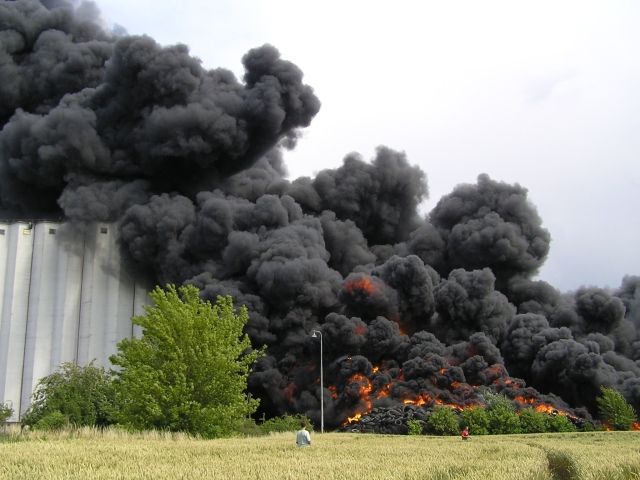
<point x="321" y="390"/>
<point x="314" y="334"/>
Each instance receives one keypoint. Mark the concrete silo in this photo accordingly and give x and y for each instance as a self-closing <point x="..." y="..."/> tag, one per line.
<point x="65" y="296"/>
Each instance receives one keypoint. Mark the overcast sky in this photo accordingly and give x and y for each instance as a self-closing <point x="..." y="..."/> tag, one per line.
<point x="544" y="93"/>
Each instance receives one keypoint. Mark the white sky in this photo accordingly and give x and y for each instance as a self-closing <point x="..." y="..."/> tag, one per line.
<point x="542" y="93"/>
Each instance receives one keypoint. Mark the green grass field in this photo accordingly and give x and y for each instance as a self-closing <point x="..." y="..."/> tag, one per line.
<point x="87" y="454"/>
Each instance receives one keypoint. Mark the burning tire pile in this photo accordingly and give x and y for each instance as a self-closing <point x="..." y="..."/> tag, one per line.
<point x="389" y="420"/>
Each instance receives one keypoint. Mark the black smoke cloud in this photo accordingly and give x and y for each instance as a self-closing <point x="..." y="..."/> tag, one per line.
<point x="187" y="162"/>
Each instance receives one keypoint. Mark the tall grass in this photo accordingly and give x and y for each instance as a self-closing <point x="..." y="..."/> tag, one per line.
<point x="116" y="454"/>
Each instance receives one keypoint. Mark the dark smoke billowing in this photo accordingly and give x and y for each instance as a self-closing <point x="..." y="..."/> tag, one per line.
<point x="97" y="127"/>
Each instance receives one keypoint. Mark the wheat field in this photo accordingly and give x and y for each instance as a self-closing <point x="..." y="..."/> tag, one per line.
<point x="89" y="454"/>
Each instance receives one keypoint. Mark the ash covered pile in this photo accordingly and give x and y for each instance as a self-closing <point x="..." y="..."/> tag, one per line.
<point x="414" y="310"/>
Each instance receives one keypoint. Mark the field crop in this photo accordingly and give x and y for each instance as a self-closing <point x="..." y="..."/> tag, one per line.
<point x="115" y="454"/>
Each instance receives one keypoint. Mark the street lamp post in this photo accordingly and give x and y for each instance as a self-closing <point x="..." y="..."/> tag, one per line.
<point x="316" y="334"/>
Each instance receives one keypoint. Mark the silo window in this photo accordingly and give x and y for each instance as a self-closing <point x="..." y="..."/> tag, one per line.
<point x="103" y="230"/>
<point x="1" y="231"/>
<point x="52" y="231"/>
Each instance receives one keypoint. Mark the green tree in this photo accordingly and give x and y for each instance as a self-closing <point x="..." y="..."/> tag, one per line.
<point x="532" y="421"/>
<point x="502" y="414"/>
<point x="476" y="419"/>
<point x="559" y="423"/>
<point x="188" y="372"/>
<point x="5" y="412"/>
<point x="83" y="395"/>
<point x="442" y="421"/>
<point x="615" y="410"/>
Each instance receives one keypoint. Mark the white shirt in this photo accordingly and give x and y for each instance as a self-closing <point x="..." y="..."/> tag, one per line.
<point x="303" y="439"/>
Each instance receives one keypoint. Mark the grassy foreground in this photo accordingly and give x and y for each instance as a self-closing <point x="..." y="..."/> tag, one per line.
<point x="117" y="455"/>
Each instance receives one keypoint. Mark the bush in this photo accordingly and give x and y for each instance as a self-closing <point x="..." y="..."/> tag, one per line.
<point x="285" y="423"/>
<point x="503" y="419"/>
<point x="476" y="419"/>
<point x="5" y="412"/>
<point x="532" y="421"/>
<point x="443" y="421"/>
<point x="414" y="427"/>
<point x="250" y="428"/>
<point x="559" y="423"/>
<point x="85" y="396"/>
<point x="55" y="420"/>
<point x="614" y="409"/>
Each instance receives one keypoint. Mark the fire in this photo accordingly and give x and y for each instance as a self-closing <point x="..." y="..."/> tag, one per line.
<point x="289" y="391"/>
<point x="360" y="330"/>
<point x="365" y="387"/>
<point x="635" y="426"/>
<point x="451" y="405"/>
<point x="384" y="392"/>
<point x="364" y="390"/>
<point x="526" y="401"/>
<point x="361" y="284"/>
<point x="376" y="369"/>
<point x="542" y="407"/>
<point x="420" y="400"/>
<point x="355" y="418"/>
<point x="334" y="391"/>
<point x="545" y="408"/>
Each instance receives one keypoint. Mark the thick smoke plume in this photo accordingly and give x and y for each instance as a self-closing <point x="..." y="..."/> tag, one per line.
<point x="415" y="310"/>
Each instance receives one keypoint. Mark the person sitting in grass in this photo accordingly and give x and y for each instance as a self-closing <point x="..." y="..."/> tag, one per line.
<point x="303" y="439"/>
<point x="465" y="433"/>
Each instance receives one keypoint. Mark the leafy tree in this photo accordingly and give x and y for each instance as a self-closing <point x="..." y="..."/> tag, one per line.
<point x="189" y="370"/>
<point x="443" y="421"/>
<point x="502" y="414"/>
<point x="532" y="421"/>
<point x="476" y="419"/>
<point x="614" y="409"/>
<point x="83" y="395"/>
<point x="559" y="423"/>
<point x="5" y="412"/>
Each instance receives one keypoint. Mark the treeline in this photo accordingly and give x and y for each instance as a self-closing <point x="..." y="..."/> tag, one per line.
<point x="188" y="373"/>
<point x="500" y="416"/>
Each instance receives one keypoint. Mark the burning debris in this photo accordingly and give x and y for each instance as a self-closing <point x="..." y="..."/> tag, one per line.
<point x="414" y="311"/>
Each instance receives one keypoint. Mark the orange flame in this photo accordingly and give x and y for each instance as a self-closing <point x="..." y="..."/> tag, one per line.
<point x="450" y="405"/>
<point x="635" y="426"/>
<point x="420" y="400"/>
<point x="545" y="408"/>
<point x="364" y="391"/>
<point x="289" y="391"/>
<point x="526" y="401"/>
<point x="334" y="391"/>
<point x="355" y="418"/>
<point x="361" y="284"/>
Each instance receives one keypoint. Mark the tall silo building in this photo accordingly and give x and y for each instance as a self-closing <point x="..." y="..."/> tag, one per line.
<point x="65" y="296"/>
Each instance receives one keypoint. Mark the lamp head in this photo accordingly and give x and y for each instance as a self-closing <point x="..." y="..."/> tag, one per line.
<point x="314" y="334"/>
